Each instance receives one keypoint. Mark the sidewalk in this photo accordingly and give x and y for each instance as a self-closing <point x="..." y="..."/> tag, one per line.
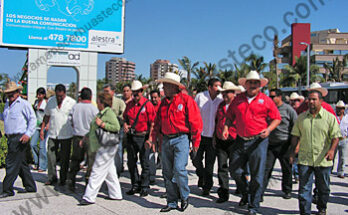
<point x="60" y="201"/>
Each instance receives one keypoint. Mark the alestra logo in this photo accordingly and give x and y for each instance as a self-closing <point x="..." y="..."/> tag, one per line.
<point x="104" y="39"/>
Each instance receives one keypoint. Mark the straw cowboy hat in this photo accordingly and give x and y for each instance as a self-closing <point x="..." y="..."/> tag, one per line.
<point x="172" y="78"/>
<point x="242" y="89"/>
<point x="253" y="75"/>
<point x="12" y="86"/>
<point x="228" y="85"/>
<point x="294" y="96"/>
<point x="340" y="104"/>
<point x="137" y="85"/>
<point x="318" y="87"/>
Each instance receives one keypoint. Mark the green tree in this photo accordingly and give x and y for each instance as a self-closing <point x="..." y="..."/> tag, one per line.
<point x="334" y="71"/>
<point x="187" y="65"/>
<point x="271" y="75"/>
<point x="200" y="82"/>
<point x="100" y="84"/>
<point x="210" y="69"/>
<point x="256" y="63"/>
<point x="72" y="91"/>
<point x="226" y="75"/>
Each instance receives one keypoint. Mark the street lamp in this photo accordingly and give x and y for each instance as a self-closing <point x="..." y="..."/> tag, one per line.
<point x="308" y="60"/>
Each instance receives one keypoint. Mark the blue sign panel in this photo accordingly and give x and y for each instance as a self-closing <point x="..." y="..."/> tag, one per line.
<point x="87" y="25"/>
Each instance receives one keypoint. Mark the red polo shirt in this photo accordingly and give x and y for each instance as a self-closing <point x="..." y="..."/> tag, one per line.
<point x="157" y="107"/>
<point x="220" y="122"/>
<point x="182" y="115"/>
<point x="252" y="118"/>
<point x="304" y="107"/>
<point x="146" y="116"/>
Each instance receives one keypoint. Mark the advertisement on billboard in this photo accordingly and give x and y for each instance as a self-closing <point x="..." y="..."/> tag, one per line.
<point x="86" y="25"/>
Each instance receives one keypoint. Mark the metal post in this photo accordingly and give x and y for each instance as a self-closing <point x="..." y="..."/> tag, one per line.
<point x="308" y="61"/>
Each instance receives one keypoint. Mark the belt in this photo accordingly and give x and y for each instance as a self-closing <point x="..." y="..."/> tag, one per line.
<point x="12" y="135"/>
<point x="172" y="136"/>
<point x="250" y="138"/>
<point x="142" y="134"/>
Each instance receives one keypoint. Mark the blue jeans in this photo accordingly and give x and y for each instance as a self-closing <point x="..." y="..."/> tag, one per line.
<point x="39" y="154"/>
<point x="119" y="154"/>
<point x="342" y="153"/>
<point x="255" y="153"/>
<point x="175" y="153"/>
<point x="322" y="183"/>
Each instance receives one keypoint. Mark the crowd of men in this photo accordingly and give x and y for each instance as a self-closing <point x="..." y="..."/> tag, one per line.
<point x="242" y="127"/>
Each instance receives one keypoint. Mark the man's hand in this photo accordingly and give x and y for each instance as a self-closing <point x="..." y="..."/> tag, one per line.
<point x="225" y="133"/>
<point x="291" y="157"/>
<point x="126" y="127"/>
<point x="148" y="144"/>
<point x="42" y="134"/>
<point x="330" y="155"/>
<point x="98" y="121"/>
<point x="81" y="143"/>
<point x="265" y="133"/>
<point x="24" y="139"/>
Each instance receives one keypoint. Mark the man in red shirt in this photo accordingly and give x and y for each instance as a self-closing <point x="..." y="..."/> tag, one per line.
<point x="156" y="101"/>
<point x="139" y="116"/>
<point x="224" y="148"/>
<point x="177" y="118"/>
<point x="256" y="116"/>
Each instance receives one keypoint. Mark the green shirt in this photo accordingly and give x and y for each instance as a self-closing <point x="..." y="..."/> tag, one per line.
<point x="111" y="124"/>
<point x="118" y="106"/>
<point x="316" y="134"/>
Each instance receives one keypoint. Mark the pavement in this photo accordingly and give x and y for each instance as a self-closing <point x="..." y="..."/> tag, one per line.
<point x="59" y="200"/>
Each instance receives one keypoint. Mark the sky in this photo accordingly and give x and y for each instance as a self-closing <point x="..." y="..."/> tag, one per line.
<point x="220" y="32"/>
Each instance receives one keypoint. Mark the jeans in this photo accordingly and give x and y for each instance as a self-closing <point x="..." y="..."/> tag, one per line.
<point x="255" y="152"/>
<point x="279" y="151"/>
<point x="342" y="153"/>
<point x="119" y="154"/>
<point x="152" y="166"/>
<point x="77" y="157"/>
<point x="39" y="154"/>
<point x="322" y="183"/>
<point x="205" y="172"/>
<point x="175" y="153"/>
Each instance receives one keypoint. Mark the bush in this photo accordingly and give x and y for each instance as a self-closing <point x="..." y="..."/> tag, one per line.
<point x="3" y="151"/>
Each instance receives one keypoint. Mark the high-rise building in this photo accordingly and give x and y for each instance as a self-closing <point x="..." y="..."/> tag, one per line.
<point x="119" y="70"/>
<point x="326" y="45"/>
<point x="160" y="67"/>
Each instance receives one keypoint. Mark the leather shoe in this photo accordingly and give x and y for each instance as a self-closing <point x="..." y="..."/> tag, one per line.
<point x="84" y="202"/>
<point x="26" y="191"/>
<point x="51" y="182"/>
<point x="200" y="182"/>
<point x="287" y="196"/>
<point x="221" y="200"/>
<point x="184" y="204"/>
<point x="144" y="193"/>
<point x="167" y="209"/>
<point x="243" y="201"/>
<point x="5" y="195"/>
<point x="206" y="192"/>
<point x="133" y="191"/>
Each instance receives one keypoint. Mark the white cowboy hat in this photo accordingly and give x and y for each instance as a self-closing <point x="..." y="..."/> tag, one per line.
<point x="301" y="98"/>
<point x="12" y="86"/>
<point x="137" y="85"/>
<point x="318" y="87"/>
<point x="171" y="78"/>
<point x="242" y="89"/>
<point x="294" y="96"/>
<point x="341" y="104"/>
<point x="253" y="75"/>
<point x="228" y="85"/>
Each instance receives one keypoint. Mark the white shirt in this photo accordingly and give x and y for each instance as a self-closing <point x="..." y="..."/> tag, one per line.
<point x="208" y="110"/>
<point x="344" y="125"/>
<point x="59" y="128"/>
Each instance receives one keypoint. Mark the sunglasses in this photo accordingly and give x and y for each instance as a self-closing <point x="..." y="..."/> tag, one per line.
<point x="272" y="97"/>
<point x="10" y="95"/>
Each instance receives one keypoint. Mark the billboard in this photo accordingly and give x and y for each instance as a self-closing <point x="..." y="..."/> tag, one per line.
<point x="86" y="25"/>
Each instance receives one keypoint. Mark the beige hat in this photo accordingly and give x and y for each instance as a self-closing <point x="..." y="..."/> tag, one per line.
<point x="137" y="85"/>
<point x="228" y="85"/>
<point x="253" y="75"/>
<point x="242" y="89"/>
<point x="171" y="78"/>
<point x="318" y="87"/>
<point x="301" y="98"/>
<point x="294" y="96"/>
<point x="341" y="104"/>
<point x="12" y="86"/>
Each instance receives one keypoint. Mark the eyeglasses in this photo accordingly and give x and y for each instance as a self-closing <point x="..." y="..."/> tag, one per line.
<point x="272" y="97"/>
<point x="10" y="95"/>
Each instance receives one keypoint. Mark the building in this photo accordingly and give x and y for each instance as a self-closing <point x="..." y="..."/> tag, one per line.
<point x="119" y="70"/>
<point x="160" y="67"/>
<point x="326" y="45"/>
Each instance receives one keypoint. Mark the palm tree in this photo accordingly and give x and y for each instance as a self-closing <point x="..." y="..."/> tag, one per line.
<point x="256" y="63"/>
<point x="271" y="75"/>
<point x="241" y="71"/>
<point x="201" y="76"/>
<point x="210" y="69"/>
<point x="226" y="75"/>
<point x="297" y="74"/>
<point x="335" y="71"/>
<point x="187" y="65"/>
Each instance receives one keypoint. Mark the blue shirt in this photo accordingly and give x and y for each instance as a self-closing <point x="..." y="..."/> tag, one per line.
<point x="19" y="118"/>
